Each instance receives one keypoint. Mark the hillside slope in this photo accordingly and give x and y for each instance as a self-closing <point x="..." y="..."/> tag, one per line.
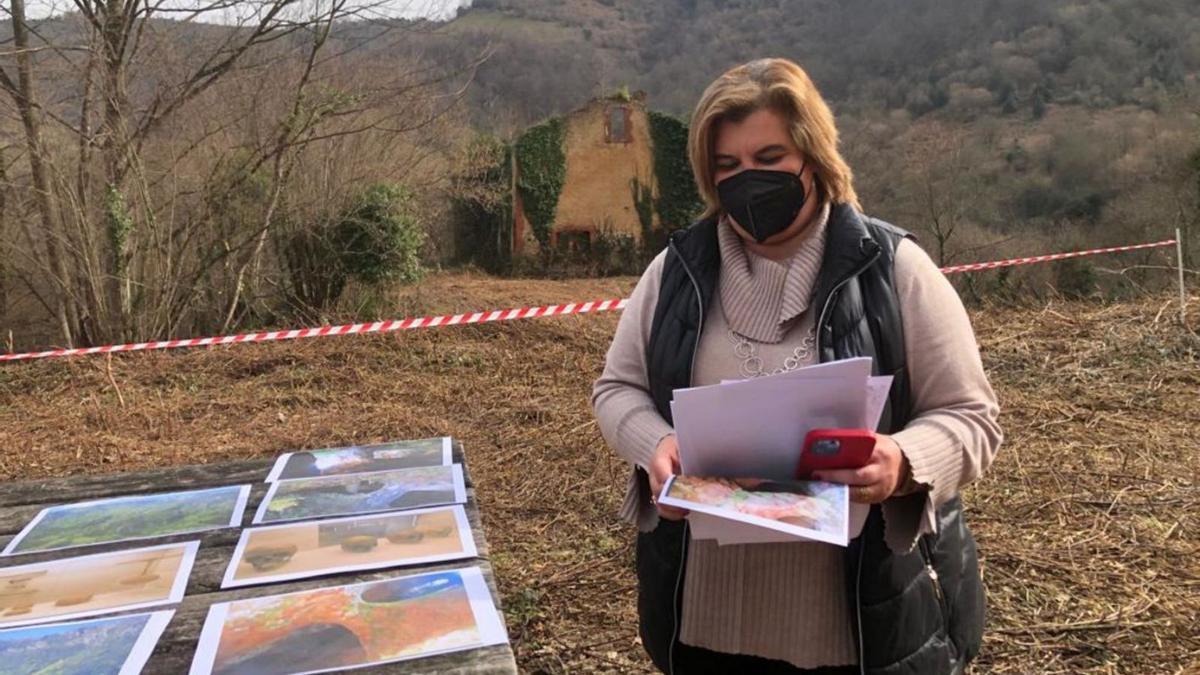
<point x="1020" y="125"/>
<point x="922" y="55"/>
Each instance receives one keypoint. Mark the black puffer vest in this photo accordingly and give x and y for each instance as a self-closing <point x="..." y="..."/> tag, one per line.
<point x="919" y="613"/>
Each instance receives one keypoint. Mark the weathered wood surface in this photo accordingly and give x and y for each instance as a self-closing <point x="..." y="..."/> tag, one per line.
<point x="20" y="502"/>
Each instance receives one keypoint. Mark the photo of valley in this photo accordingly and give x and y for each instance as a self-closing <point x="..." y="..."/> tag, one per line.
<point x="126" y="518"/>
<point x="96" y="647"/>
<point x="362" y="493"/>
<point x="363" y="459"/>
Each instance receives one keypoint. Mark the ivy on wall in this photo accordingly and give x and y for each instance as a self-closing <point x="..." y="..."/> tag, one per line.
<point x="541" y="171"/>
<point x="678" y="201"/>
<point x="653" y="238"/>
<point x="483" y="197"/>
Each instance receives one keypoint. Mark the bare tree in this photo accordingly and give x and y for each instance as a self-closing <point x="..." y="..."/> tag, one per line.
<point x="943" y="188"/>
<point x="23" y="95"/>
<point x="130" y="237"/>
<point x="5" y="224"/>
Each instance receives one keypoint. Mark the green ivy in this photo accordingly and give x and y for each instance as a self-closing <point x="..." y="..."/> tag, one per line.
<point x="541" y="171"/>
<point x="482" y="200"/>
<point x="643" y="203"/>
<point x="678" y="202"/>
<point x="120" y="224"/>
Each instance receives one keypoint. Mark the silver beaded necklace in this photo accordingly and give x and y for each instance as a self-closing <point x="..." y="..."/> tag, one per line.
<point x="752" y="363"/>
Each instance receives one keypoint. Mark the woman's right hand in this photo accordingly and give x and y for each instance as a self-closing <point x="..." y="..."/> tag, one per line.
<point x="664" y="465"/>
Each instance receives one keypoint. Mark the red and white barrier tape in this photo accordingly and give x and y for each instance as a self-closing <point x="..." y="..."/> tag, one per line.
<point x="479" y="317"/>
<point x="973" y="267"/>
<point x="345" y="329"/>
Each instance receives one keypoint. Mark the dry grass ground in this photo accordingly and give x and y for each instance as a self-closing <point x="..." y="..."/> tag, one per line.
<point x="1087" y="523"/>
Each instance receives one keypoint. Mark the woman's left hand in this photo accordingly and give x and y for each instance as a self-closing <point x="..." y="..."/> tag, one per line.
<point x="878" y="479"/>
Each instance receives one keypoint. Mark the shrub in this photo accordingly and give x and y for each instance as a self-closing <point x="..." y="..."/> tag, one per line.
<point x="1075" y="278"/>
<point x="315" y="274"/>
<point x="379" y="238"/>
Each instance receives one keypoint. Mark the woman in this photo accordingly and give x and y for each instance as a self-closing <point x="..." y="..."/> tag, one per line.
<point x="783" y="271"/>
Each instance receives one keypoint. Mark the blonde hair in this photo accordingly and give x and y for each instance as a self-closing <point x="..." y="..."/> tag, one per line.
<point x="781" y="86"/>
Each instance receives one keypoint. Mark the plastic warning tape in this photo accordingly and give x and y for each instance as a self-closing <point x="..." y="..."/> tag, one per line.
<point x="345" y="329"/>
<point x="478" y="317"/>
<point x="975" y="267"/>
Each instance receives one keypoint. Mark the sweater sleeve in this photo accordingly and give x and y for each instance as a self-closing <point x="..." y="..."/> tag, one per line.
<point x="954" y="433"/>
<point x="625" y="412"/>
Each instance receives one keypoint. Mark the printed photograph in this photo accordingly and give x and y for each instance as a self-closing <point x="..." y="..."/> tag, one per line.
<point x="362" y="459"/>
<point x="306" y="498"/>
<point x="130" y="518"/>
<point x="114" y="646"/>
<point x="810" y="509"/>
<point x="312" y="548"/>
<point x="94" y="584"/>
<point x="349" y="626"/>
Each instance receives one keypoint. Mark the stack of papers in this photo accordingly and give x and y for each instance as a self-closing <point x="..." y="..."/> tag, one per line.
<point x="755" y="429"/>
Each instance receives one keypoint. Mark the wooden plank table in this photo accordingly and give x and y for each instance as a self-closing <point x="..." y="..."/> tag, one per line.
<point x="20" y="502"/>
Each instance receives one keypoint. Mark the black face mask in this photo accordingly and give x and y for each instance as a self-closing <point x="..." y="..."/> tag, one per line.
<point x="763" y="202"/>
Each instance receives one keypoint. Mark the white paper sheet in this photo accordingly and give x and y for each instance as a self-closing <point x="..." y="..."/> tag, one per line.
<point x="379" y="454"/>
<point x="73" y="588"/>
<point x="307" y="560"/>
<point x="878" y="387"/>
<point x="756" y="428"/>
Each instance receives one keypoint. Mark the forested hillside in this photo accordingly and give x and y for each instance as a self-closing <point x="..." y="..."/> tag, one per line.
<point x="1005" y="57"/>
<point x="987" y="126"/>
<point x="185" y="175"/>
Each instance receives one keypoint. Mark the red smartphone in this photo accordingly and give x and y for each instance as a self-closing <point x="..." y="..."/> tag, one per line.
<point x="835" y="449"/>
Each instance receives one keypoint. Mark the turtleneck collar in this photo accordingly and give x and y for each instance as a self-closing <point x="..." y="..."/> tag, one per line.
<point x="761" y="297"/>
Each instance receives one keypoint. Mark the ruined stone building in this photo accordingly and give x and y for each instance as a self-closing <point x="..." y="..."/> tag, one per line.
<point x="609" y="156"/>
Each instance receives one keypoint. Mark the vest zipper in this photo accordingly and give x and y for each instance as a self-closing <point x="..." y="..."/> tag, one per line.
<point x="833" y="293"/>
<point x="683" y="541"/>
<point x="862" y="662"/>
<point x="937" y="584"/>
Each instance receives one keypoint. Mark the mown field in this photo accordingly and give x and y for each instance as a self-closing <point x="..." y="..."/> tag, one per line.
<point x="1087" y="523"/>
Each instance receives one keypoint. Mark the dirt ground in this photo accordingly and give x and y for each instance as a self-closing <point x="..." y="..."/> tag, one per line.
<point x="1087" y="522"/>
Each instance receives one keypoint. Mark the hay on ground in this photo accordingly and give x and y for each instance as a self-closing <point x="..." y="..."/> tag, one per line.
<point x="1087" y="522"/>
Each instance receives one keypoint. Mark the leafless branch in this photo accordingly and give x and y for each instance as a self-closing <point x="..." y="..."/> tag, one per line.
<point x="38" y="50"/>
